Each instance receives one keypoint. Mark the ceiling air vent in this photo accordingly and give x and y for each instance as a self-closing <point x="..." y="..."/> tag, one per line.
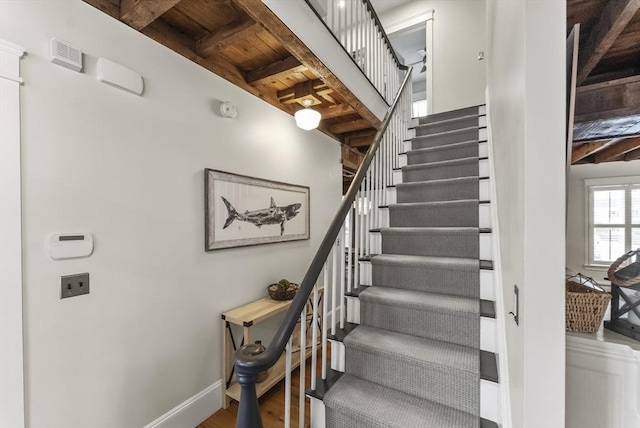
<point x="66" y="55"/>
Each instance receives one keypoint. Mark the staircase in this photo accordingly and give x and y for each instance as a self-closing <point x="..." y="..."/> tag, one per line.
<point x="418" y="350"/>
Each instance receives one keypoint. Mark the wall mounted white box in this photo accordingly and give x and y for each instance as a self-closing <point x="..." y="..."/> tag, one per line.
<point x="119" y="76"/>
<point x="70" y="245"/>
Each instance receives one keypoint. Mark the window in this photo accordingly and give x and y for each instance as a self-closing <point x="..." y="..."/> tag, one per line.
<point x="614" y="218"/>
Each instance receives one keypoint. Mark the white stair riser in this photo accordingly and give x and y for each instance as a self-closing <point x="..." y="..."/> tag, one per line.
<point x="485" y="190"/>
<point x="487" y="289"/>
<point x="384" y="217"/>
<point x="397" y="177"/>
<point x="488" y="334"/>
<point x="375" y="239"/>
<point x="482" y="134"/>
<point x="485" y="216"/>
<point x="483" y="150"/>
<point x="483" y="168"/>
<point x="482" y="110"/>
<point x="318" y="413"/>
<point x="392" y="195"/>
<point x="482" y="121"/>
<point x="406" y="146"/>
<point x="490" y="401"/>
<point x="337" y="356"/>
<point x="353" y="310"/>
<point x="365" y="273"/>
<point x="402" y="160"/>
<point x="486" y="250"/>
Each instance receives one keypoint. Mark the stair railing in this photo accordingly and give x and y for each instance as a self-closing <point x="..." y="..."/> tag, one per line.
<point x="356" y="26"/>
<point x="358" y="214"/>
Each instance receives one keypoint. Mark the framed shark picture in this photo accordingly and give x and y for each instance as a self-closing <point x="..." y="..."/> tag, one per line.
<point x="241" y="211"/>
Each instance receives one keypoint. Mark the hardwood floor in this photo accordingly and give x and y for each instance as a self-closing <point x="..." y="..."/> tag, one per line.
<point x="271" y="405"/>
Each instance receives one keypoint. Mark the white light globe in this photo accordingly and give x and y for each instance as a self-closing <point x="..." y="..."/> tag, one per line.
<point x="307" y="119"/>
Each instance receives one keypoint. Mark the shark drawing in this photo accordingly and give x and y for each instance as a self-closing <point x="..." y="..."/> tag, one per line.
<point x="271" y="215"/>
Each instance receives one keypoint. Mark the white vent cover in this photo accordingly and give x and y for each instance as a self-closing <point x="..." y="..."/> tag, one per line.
<point x="119" y="76"/>
<point x="66" y="55"/>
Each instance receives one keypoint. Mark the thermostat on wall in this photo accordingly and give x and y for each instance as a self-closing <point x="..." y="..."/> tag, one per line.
<point x="70" y="245"/>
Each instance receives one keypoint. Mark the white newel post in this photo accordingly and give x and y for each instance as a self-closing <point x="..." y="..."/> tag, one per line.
<point x="11" y="357"/>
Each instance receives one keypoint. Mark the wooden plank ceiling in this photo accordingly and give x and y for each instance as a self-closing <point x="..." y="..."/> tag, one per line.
<point x="243" y="42"/>
<point x="607" y="115"/>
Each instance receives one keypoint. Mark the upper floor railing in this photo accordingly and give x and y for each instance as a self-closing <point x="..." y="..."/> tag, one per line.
<point x="356" y="26"/>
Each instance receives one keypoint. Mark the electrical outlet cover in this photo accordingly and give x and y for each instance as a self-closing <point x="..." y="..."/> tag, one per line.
<point x="74" y="285"/>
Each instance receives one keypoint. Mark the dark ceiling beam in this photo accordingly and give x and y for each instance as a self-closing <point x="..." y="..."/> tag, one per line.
<point x="587" y="149"/>
<point x="335" y="111"/>
<point x="353" y="125"/>
<point x="183" y="45"/>
<point x="632" y="155"/>
<point x="620" y="148"/>
<point x="315" y="87"/>
<point x="106" y="6"/>
<point x="140" y="13"/>
<point x="274" y="71"/>
<point x="259" y="12"/>
<point x="614" y="18"/>
<point x="227" y="35"/>
<point x="615" y="98"/>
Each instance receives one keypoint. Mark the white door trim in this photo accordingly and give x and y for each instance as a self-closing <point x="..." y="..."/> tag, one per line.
<point x="11" y="338"/>
<point x="426" y="18"/>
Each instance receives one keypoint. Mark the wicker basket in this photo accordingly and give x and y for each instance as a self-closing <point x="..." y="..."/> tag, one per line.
<point x="585" y="307"/>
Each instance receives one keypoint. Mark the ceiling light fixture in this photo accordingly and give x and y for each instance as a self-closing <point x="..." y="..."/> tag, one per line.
<point x="307" y="118"/>
<point x="342" y="3"/>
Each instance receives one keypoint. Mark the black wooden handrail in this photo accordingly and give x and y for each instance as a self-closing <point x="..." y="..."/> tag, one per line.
<point x="249" y="366"/>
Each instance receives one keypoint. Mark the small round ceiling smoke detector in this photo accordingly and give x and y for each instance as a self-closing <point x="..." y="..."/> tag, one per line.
<point x="228" y="109"/>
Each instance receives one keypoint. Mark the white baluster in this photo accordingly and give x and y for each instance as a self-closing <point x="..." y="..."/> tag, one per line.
<point x="342" y="274"/>
<point x="303" y="364"/>
<point x="314" y="337"/>
<point x="334" y="288"/>
<point x="325" y="307"/>
<point x="287" y="386"/>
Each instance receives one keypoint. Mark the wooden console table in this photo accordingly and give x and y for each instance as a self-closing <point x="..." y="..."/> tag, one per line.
<point x="247" y="316"/>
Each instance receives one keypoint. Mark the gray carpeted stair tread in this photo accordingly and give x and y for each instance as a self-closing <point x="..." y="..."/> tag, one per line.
<point x="475" y="115"/>
<point x="438" y="190"/>
<point x="442" y="275"/>
<point x="444" y="125"/>
<point x="463" y="264"/>
<point x="445" y="138"/>
<point x="457" y="213"/>
<point x="449" y="318"/>
<point x="357" y="403"/>
<point x="430" y="369"/>
<point x="432" y="241"/>
<point x="452" y="114"/>
<point x="409" y="299"/>
<point x="441" y="164"/>
<point x="406" y="349"/>
<point x="464" y="149"/>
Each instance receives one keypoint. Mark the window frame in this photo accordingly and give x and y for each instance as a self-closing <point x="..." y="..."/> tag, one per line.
<point x="613" y="183"/>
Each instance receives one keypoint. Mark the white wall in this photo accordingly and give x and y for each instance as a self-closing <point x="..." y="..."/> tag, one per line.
<point x="578" y="215"/>
<point x="459" y="30"/>
<point x="526" y="86"/>
<point x="129" y="170"/>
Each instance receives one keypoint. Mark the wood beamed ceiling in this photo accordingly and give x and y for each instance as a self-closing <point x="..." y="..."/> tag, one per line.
<point x="607" y="110"/>
<point x="243" y="42"/>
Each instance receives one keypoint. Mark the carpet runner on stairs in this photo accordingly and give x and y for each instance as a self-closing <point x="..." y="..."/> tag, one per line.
<point x="415" y="358"/>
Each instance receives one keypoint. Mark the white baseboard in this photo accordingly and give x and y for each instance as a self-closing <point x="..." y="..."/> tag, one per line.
<point x="192" y="411"/>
